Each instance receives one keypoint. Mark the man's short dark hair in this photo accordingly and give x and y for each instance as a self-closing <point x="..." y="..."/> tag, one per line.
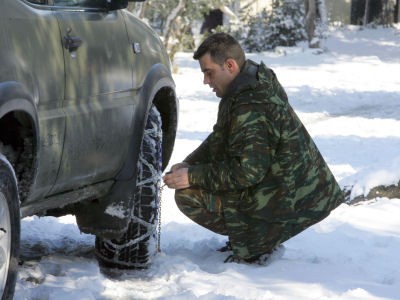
<point x="221" y="46"/>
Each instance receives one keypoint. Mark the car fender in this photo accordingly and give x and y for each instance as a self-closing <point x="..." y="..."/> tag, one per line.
<point x="110" y="226"/>
<point x="158" y="77"/>
<point x="14" y="97"/>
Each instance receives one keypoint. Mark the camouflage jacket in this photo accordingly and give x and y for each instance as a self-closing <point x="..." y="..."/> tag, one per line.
<point x="262" y="162"/>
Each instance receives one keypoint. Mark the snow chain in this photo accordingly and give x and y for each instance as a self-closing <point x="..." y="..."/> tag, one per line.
<point x="159" y="219"/>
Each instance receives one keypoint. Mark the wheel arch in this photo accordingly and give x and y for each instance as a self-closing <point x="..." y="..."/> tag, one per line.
<point x="158" y="89"/>
<point x="18" y="131"/>
<point x="167" y="105"/>
<point x="14" y="97"/>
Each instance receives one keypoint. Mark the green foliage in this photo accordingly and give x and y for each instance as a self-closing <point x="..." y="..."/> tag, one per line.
<point x="283" y="26"/>
<point x="176" y="30"/>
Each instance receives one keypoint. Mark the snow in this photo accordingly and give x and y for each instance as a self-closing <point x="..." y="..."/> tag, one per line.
<point x="349" y="99"/>
<point x="116" y="210"/>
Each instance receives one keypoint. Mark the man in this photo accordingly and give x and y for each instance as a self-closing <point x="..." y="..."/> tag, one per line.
<point x="258" y="177"/>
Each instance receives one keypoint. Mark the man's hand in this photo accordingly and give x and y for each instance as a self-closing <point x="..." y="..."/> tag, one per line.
<point x="179" y="166"/>
<point x="178" y="177"/>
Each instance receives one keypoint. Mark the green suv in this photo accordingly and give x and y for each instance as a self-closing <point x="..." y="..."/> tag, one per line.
<point x="88" y="117"/>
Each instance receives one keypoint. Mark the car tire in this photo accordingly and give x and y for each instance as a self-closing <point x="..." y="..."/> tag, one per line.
<point x="138" y="245"/>
<point x="9" y="229"/>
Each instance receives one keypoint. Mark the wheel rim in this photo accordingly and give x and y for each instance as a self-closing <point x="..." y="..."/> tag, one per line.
<point x="5" y="241"/>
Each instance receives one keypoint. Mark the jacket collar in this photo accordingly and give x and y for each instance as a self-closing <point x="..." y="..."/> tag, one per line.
<point x="247" y="78"/>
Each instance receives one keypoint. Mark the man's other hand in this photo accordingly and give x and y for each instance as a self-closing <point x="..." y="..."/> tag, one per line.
<point x="178" y="178"/>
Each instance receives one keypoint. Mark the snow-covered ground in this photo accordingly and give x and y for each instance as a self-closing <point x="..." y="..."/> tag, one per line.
<point x="349" y="99"/>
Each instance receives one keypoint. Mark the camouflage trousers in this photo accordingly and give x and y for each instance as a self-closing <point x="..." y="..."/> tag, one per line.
<point x="249" y="236"/>
<point x="203" y="208"/>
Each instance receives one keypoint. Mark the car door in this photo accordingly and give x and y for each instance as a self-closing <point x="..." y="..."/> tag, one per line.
<point x="34" y="58"/>
<point x="99" y="99"/>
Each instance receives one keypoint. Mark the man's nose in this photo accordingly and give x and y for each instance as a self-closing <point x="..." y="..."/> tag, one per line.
<point x="206" y="80"/>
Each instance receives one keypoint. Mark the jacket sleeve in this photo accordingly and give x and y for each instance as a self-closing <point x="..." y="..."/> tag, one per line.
<point x="252" y="142"/>
<point x="200" y="154"/>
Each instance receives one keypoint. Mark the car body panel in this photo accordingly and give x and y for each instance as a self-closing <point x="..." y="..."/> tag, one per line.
<point x="76" y="86"/>
<point x="29" y="43"/>
<point x="99" y="97"/>
<point x="87" y="104"/>
<point x="148" y="47"/>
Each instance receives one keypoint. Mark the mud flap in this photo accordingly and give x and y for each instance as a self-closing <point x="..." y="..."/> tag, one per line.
<point x="108" y="217"/>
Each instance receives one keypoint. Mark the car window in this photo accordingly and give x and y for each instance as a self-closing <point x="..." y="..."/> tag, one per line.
<point x="75" y="3"/>
<point x="79" y="3"/>
<point x="38" y="1"/>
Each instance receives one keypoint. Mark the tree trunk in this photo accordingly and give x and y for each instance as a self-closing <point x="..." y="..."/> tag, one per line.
<point x="173" y="30"/>
<point x="388" y="9"/>
<point x="138" y="9"/>
<point x="322" y="13"/>
<point x="310" y="20"/>
<point x="170" y="21"/>
<point x="323" y="19"/>
<point x="366" y="13"/>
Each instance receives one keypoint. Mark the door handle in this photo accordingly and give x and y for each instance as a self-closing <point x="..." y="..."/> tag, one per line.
<point x="72" y="43"/>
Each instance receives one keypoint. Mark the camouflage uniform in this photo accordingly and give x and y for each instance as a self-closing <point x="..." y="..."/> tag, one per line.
<point x="258" y="177"/>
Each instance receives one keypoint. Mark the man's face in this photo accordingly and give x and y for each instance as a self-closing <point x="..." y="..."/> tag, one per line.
<point x="216" y="76"/>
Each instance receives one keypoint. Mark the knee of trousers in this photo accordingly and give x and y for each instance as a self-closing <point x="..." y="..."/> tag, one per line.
<point x="183" y="197"/>
<point x="189" y="198"/>
<point x="179" y="196"/>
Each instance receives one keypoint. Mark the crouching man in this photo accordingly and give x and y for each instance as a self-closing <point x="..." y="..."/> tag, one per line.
<point x="258" y="177"/>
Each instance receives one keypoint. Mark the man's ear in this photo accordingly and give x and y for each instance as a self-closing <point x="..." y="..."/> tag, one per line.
<point x="232" y="66"/>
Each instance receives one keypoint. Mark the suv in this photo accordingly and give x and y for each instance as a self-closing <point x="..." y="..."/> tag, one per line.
<point x="88" y="117"/>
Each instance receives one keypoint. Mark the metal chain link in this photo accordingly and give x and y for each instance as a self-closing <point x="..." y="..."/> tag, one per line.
<point x="159" y="219"/>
